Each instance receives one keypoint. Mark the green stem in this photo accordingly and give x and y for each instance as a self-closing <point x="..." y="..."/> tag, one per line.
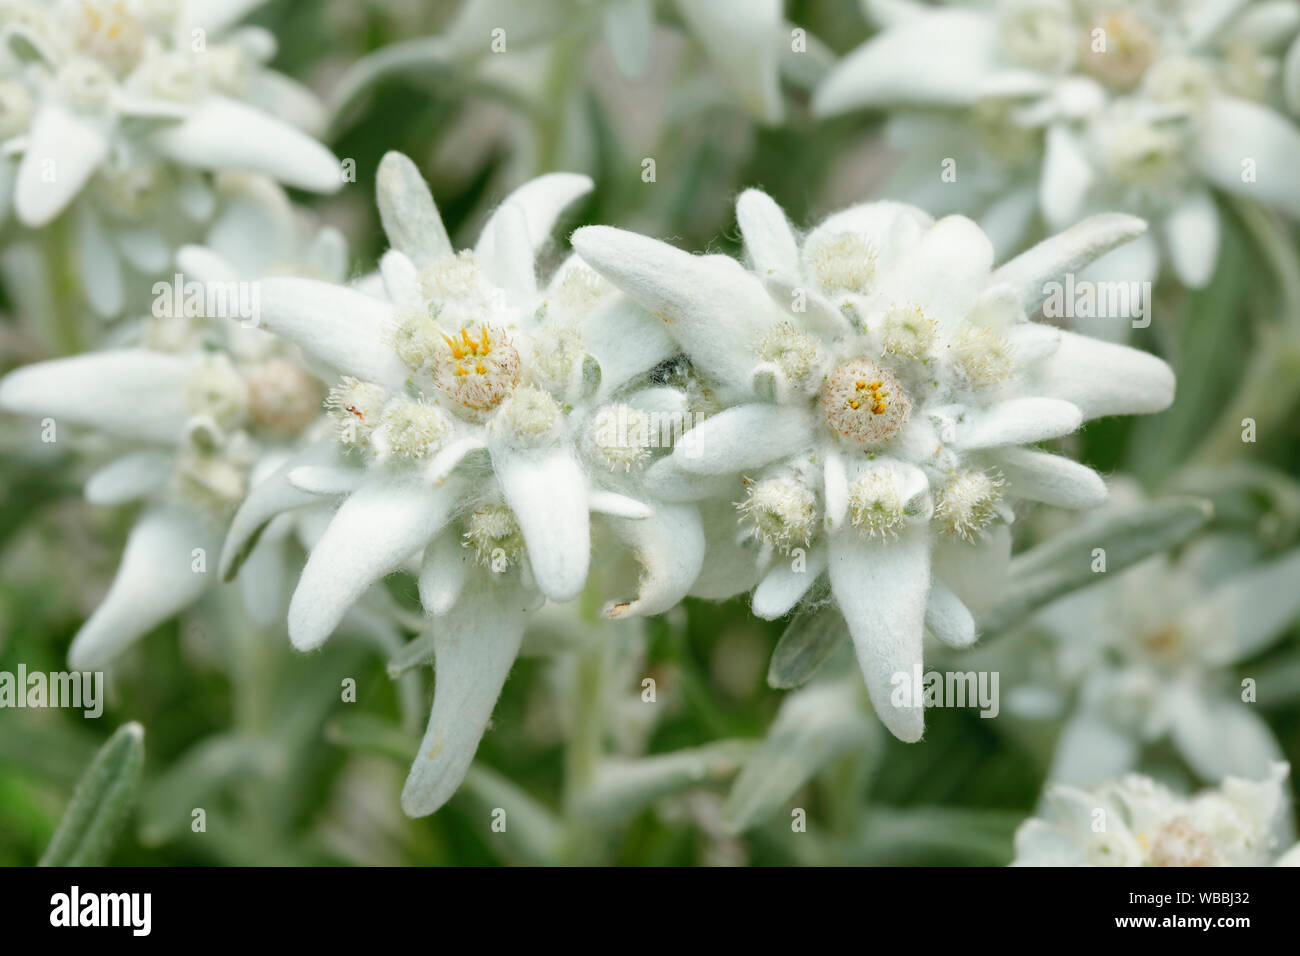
<point x="1274" y="242"/>
<point x="1269" y="391"/>
<point x="846" y="781"/>
<point x="252" y="676"/>
<point x="583" y="749"/>
<point x="65" y="288"/>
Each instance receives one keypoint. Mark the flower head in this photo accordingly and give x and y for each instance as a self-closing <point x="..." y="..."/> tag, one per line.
<point x="120" y="111"/>
<point x="471" y="410"/>
<point x="194" y="414"/>
<point x="1147" y="655"/>
<point x="781" y="510"/>
<point x="1138" y="105"/>
<point x="926" y="378"/>
<point x="1136" y="821"/>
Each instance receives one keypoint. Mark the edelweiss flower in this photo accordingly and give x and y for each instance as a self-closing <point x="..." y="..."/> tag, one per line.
<point x="1138" y="822"/>
<point x="482" y="421"/>
<point x="881" y="377"/>
<point x="1147" y="655"/>
<point x="1078" y="107"/>
<point x="192" y="411"/>
<point x="120" y="104"/>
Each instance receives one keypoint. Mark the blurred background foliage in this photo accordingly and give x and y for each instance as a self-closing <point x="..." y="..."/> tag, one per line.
<point x="288" y="772"/>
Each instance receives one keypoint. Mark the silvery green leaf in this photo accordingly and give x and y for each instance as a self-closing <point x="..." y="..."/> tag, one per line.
<point x="815" y="725"/>
<point x="378" y="629"/>
<point x="413" y="653"/>
<point x="743" y="41"/>
<point x="48" y="749"/>
<point x="373" y="735"/>
<point x="978" y="837"/>
<point x="1291" y="76"/>
<point x="1278" y="680"/>
<point x="805" y="68"/>
<point x="166" y="805"/>
<point x="623" y="785"/>
<point x="468" y="37"/>
<point x="424" y="56"/>
<point x="1247" y="495"/>
<point x="298" y="714"/>
<point x="1065" y="563"/>
<point x="100" y="803"/>
<point x="532" y="835"/>
<point x="629" y="33"/>
<point x="811" y="636"/>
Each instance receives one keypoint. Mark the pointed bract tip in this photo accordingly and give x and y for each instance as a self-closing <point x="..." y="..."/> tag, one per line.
<point x="1120" y="222"/>
<point x="905" y="723"/>
<point x="417" y="801"/>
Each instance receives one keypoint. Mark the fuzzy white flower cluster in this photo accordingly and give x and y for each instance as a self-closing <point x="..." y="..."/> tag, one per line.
<point x="879" y="382"/>
<point x="1148" y="656"/>
<point x="118" y="108"/>
<point x="1068" y="107"/>
<point x="1138" y="822"/>
<point x="482" y="421"/>
<point x="853" y="403"/>
<point x="191" y="413"/>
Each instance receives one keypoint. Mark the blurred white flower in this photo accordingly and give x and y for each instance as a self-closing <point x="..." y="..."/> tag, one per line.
<point x="191" y="411"/>
<point x="877" y="379"/>
<point x="744" y="40"/>
<point x="1071" y="108"/>
<point x="1148" y="656"/>
<point x="120" y="105"/>
<point x="481" y="421"/>
<point x="1139" y="822"/>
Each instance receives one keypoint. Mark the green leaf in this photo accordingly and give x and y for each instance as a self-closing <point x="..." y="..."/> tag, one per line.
<point x="1065" y="563"/>
<point x="805" y="69"/>
<point x="1266" y="394"/>
<point x="372" y="734"/>
<point x="623" y="786"/>
<point x="811" y="637"/>
<point x="533" y="835"/>
<point x="1278" y="681"/>
<point x="414" y="653"/>
<point x="56" y="751"/>
<point x="421" y="57"/>
<point x="100" y="804"/>
<point x="948" y="835"/>
<point x="1247" y="496"/>
<point x="815" y="725"/>
<point x="194" y="780"/>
